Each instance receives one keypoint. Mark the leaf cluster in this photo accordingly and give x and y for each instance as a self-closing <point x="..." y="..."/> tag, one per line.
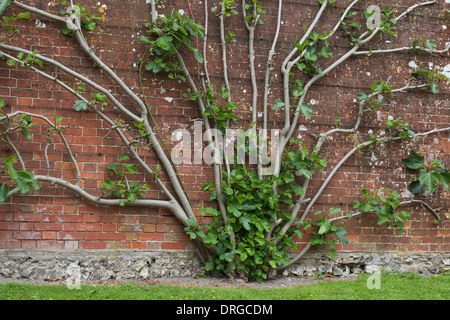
<point x="120" y="187"/>
<point x="429" y="176"/>
<point x="171" y="32"/>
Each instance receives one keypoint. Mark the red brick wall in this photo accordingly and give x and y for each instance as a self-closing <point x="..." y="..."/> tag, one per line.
<point x="53" y="218"/>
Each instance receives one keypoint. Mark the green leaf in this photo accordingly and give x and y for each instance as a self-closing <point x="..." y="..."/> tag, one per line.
<point x="211" y="238"/>
<point x="326" y="52"/>
<point x="405" y="215"/>
<point x="234" y="208"/>
<point x="245" y="221"/>
<point x="434" y="87"/>
<point x="431" y="44"/>
<point x="382" y="219"/>
<point x="211" y="211"/>
<point x="123" y="157"/>
<point x="445" y="179"/>
<point x="416" y="187"/>
<point x="429" y="179"/>
<point x="190" y="222"/>
<point x="443" y="77"/>
<point x="422" y="71"/>
<point x="66" y="31"/>
<point x="307" y="173"/>
<point x="332" y="253"/>
<point x="153" y="66"/>
<point x="164" y="42"/>
<point x="130" y="168"/>
<point x="23" y="15"/>
<point x="366" y="207"/>
<point x="131" y="197"/>
<point x="278" y="104"/>
<point x="340" y="233"/>
<point x="362" y="96"/>
<point x="298" y="190"/>
<point x="4" y="189"/>
<point x="209" y="266"/>
<point x="108" y="184"/>
<point x="80" y="105"/>
<point x="144" y="39"/>
<point x="306" y="110"/>
<point x="198" y="56"/>
<point x="324" y="227"/>
<point x="414" y="161"/>
<point x="113" y="166"/>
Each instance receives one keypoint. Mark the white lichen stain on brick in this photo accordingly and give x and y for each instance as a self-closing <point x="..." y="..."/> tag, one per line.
<point x="40" y="24"/>
<point x="446" y="71"/>
<point x="412" y="64"/>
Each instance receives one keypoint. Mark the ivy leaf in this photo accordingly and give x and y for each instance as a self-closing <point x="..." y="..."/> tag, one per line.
<point x="414" y="161"/>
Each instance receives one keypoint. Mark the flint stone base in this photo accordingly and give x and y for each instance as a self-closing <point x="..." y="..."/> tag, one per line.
<point x="99" y="265"/>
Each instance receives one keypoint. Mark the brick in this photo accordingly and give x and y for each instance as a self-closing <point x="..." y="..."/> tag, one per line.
<point x="151" y="236"/>
<point x="27" y="217"/>
<point x="70" y="235"/>
<point x="173" y="245"/>
<point x="48" y="235"/>
<point x="27" y="235"/>
<point x="92" y="245"/>
<point x="110" y="236"/>
<point x="88" y="227"/>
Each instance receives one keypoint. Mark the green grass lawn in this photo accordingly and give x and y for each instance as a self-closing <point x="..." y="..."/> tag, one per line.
<point x="392" y="287"/>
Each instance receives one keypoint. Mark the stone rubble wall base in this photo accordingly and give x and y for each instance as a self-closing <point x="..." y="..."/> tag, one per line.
<point x="95" y="265"/>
